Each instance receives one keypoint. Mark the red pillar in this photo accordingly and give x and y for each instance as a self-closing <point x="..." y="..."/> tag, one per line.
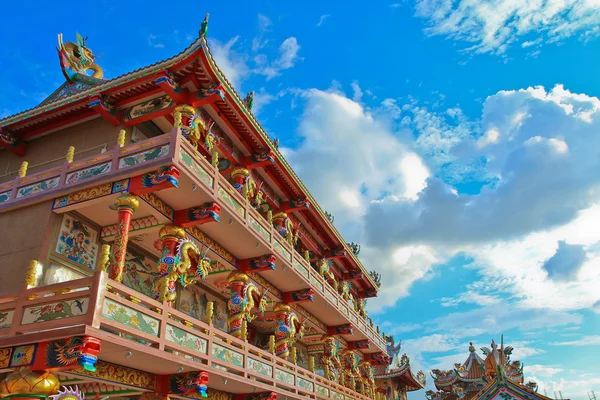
<point x="125" y="205"/>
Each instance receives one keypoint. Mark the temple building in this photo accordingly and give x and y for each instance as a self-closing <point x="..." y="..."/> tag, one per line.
<point x="157" y="244"/>
<point x="494" y="377"/>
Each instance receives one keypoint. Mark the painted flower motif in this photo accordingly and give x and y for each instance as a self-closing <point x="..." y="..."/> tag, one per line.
<point x="59" y="307"/>
<point x="45" y="310"/>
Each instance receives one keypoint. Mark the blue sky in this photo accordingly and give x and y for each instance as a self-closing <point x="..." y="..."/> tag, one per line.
<point x="457" y="141"/>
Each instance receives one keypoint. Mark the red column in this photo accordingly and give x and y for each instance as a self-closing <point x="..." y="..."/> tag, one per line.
<point x="125" y="205"/>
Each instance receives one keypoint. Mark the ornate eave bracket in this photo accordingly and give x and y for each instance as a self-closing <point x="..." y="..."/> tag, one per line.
<point x="199" y="215"/>
<point x="263" y="263"/>
<point x="166" y="82"/>
<point x="12" y="144"/>
<point x="105" y="109"/>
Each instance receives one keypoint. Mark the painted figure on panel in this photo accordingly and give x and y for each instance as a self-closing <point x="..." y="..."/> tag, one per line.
<point x="139" y="273"/>
<point x="77" y="242"/>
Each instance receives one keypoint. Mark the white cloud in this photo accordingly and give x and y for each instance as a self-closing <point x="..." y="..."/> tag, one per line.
<point x="230" y="61"/>
<point x="322" y="19"/>
<point x="264" y="25"/>
<point x="432" y="343"/>
<point x="357" y="92"/>
<point x="494" y="25"/>
<point x="288" y="55"/>
<point x="570" y="389"/>
<point x="152" y="42"/>
<point x="584" y="341"/>
<point x="349" y="158"/>
<point x="542" y="370"/>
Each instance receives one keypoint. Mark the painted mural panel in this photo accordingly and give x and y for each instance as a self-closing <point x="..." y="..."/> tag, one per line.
<point x="77" y="241"/>
<point x="54" y="311"/>
<point x="139" y="270"/>
<point x="6" y="317"/>
<point x="193" y="300"/>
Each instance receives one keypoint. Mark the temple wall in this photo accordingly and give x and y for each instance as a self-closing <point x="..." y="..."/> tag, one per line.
<point x="49" y="151"/>
<point x="24" y="236"/>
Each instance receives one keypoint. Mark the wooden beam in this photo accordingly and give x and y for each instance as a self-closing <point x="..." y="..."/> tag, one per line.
<point x="12" y="144"/>
<point x="335" y="253"/>
<point x="106" y="110"/>
<point x="299" y="296"/>
<point x="263" y="263"/>
<point x="346" y="329"/>
<point x="353" y="275"/>
<point x="166" y="82"/>
<point x="208" y="95"/>
<point x="294" y="205"/>
<point x="199" y="215"/>
<point x="164" y="178"/>
<point x="359" y="344"/>
<point x="378" y="358"/>
<point x="260" y="158"/>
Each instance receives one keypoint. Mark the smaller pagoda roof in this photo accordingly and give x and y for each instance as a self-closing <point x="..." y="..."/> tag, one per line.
<point x="503" y="384"/>
<point x="401" y="370"/>
<point x="471" y="370"/>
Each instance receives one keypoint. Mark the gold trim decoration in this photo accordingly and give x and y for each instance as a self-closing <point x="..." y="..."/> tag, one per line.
<point x="119" y="374"/>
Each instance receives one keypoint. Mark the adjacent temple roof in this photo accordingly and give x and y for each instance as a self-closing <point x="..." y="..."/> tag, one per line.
<point x="399" y="368"/>
<point x="479" y="378"/>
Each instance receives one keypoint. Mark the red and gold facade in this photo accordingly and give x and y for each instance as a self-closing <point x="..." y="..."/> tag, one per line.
<point x="175" y="253"/>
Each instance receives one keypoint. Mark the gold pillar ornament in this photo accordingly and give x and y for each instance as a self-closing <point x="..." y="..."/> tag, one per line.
<point x="311" y="363"/>
<point x="30" y="276"/>
<point x="272" y="344"/>
<point x="244" y="330"/>
<point x="121" y="137"/>
<point x="215" y="159"/>
<point x="70" y="154"/>
<point x="307" y="256"/>
<point x="23" y="169"/>
<point x="293" y="355"/>
<point x="103" y="258"/>
<point x="177" y="117"/>
<point x="270" y="217"/>
<point x="210" y="312"/>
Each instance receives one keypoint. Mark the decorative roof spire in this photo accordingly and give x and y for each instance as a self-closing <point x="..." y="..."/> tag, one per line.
<point x="471" y="348"/>
<point x="77" y="58"/>
<point x="249" y="100"/>
<point x="204" y="27"/>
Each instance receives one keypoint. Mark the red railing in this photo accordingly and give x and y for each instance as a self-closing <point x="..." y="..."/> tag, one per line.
<point x="153" y="328"/>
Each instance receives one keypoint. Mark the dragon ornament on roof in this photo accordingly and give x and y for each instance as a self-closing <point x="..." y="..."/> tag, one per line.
<point x="77" y="58"/>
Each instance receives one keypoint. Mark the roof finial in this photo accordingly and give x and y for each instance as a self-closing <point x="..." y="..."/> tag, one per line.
<point x="472" y="348"/>
<point x="204" y="27"/>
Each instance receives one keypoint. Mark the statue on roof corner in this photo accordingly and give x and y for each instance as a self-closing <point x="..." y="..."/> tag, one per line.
<point x="204" y="27"/>
<point x="249" y="100"/>
<point x="77" y="58"/>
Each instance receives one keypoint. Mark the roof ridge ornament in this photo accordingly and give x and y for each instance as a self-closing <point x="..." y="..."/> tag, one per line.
<point x="204" y="27"/>
<point x="77" y="58"/>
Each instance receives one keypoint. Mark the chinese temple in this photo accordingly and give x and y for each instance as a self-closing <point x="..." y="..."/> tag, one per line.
<point x="494" y="377"/>
<point x="157" y="244"/>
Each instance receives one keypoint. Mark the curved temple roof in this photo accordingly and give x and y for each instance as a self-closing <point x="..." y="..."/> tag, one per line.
<point x="195" y="62"/>
<point x="482" y="378"/>
<point x="399" y="368"/>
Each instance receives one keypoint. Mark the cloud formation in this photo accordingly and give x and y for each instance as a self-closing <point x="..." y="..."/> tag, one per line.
<point x="566" y="262"/>
<point x="492" y="26"/>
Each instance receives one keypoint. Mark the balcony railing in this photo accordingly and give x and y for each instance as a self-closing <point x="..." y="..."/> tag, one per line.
<point x="221" y="189"/>
<point x="122" y="162"/>
<point x="154" y="328"/>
